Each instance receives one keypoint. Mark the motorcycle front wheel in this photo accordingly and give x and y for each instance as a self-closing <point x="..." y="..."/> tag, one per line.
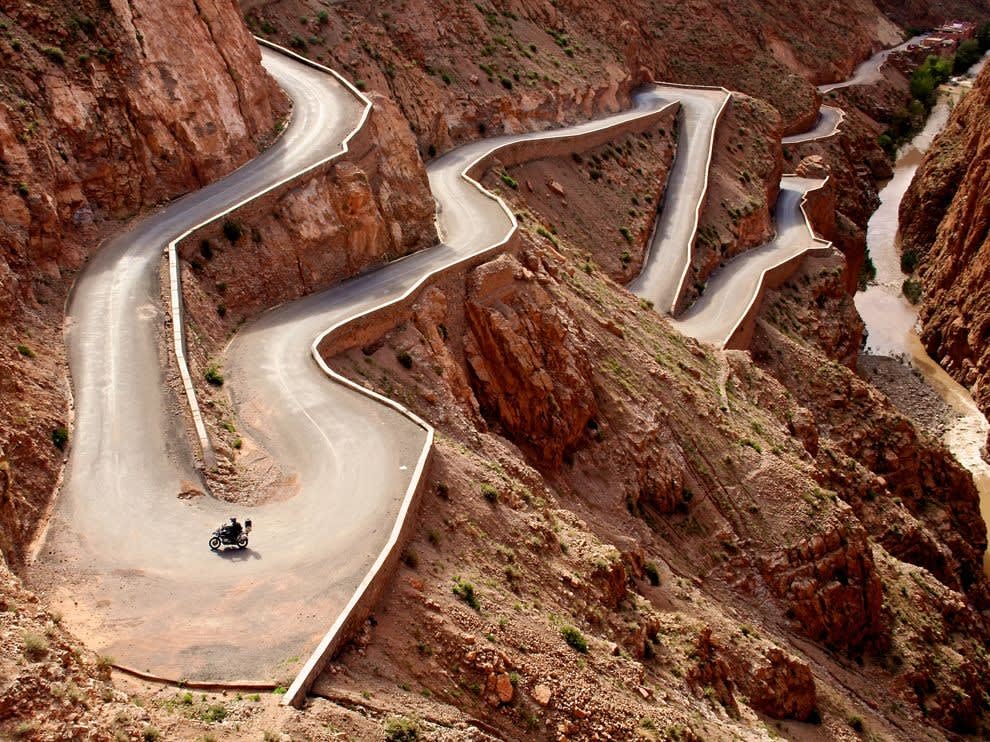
<point x="242" y="542"/>
<point x="214" y="543"/>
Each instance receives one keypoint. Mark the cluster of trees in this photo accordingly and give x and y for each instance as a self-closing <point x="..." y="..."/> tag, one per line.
<point x="924" y="88"/>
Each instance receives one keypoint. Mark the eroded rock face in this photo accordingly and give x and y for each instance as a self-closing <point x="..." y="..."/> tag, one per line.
<point x="945" y="222"/>
<point x="119" y="111"/>
<point x="782" y="686"/>
<point x="528" y="367"/>
<point x="830" y="586"/>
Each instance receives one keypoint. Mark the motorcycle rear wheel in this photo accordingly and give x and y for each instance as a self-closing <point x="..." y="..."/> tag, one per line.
<point x="242" y="542"/>
<point x="214" y="543"/>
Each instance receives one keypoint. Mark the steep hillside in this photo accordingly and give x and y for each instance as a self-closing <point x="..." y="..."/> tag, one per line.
<point x="105" y="112"/>
<point x="626" y="527"/>
<point x="459" y="68"/>
<point x="619" y="533"/>
<point x="925" y="13"/>
<point x="945" y="218"/>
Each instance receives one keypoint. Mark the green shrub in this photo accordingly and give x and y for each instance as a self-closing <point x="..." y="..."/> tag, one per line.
<point x="35" y="645"/>
<point x="25" y="730"/>
<point x="55" y="54"/>
<point x="983" y="37"/>
<point x="22" y="189"/>
<point x="465" y="591"/>
<point x="489" y="492"/>
<point x="509" y="181"/>
<point x="298" y="42"/>
<point x="401" y="729"/>
<point x="60" y="436"/>
<point x="232" y="231"/>
<point x="967" y="55"/>
<point x="856" y="723"/>
<point x="25" y="351"/>
<point x="626" y="234"/>
<point x="150" y="734"/>
<point x="751" y="444"/>
<point x="323" y="17"/>
<point x="574" y="638"/>
<point x="405" y="360"/>
<point x="909" y="261"/>
<point x="652" y="573"/>
<point x="867" y="273"/>
<point x="911" y="290"/>
<point x="214" y="713"/>
<point x="213" y="375"/>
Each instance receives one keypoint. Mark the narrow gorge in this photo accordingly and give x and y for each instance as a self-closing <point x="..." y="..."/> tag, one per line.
<point x="546" y="387"/>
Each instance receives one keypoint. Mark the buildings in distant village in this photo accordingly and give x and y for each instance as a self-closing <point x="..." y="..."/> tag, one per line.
<point x="942" y="42"/>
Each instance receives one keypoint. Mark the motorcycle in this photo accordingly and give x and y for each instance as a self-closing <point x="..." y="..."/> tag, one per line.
<point x="225" y="536"/>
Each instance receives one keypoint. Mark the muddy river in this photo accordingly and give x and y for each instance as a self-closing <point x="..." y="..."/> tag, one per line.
<point x="891" y="319"/>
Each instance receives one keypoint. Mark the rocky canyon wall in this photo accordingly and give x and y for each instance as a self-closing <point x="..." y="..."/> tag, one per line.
<point x="945" y="228"/>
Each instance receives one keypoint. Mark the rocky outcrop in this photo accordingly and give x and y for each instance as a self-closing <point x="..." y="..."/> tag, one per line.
<point x="945" y="227"/>
<point x="529" y="368"/>
<point x="781" y="686"/>
<point x="879" y="463"/>
<point x="117" y="112"/>
<point x="335" y="222"/>
<point x="830" y="586"/>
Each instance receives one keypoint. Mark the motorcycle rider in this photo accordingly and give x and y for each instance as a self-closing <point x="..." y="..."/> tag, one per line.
<point x="233" y="530"/>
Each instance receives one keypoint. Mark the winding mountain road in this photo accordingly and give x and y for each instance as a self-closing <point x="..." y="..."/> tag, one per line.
<point x="669" y="252"/>
<point x="827" y="124"/>
<point x="125" y="559"/>
<point x="871" y="70"/>
<point x="731" y="291"/>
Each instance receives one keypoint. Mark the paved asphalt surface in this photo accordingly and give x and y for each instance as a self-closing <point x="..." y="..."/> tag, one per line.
<point x="829" y="118"/>
<point x="870" y="70"/>
<point x="669" y="251"/>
